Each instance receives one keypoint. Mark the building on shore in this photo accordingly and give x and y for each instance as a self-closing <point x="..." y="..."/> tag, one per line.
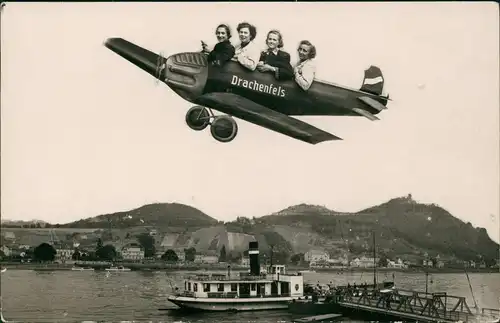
<point x="132" y="251"/>
<point x="314" y="256"/>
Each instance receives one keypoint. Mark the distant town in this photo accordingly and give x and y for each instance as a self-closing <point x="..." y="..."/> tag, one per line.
<point x="148" y="247"/>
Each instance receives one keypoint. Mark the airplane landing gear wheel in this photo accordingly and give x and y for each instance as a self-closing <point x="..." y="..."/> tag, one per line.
<point x="224" y="128"/>
<point x="197" y="118"/>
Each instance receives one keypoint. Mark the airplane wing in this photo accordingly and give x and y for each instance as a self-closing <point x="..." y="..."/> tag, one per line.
<point x="255" y="113"/>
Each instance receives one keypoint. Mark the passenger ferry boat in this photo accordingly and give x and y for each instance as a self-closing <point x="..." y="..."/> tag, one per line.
<point x="244" y="292"/>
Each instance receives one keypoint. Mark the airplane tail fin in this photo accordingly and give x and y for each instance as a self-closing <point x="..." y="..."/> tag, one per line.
<point x="373" y="81"/>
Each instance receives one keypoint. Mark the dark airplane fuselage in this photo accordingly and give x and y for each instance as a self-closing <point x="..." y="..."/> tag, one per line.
<point x="286" y="96"/>
<point x="282" y="96"/>
<point x="190" y="76"/>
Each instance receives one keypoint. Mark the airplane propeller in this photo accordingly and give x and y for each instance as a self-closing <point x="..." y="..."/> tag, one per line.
<point x="160" y="66"/>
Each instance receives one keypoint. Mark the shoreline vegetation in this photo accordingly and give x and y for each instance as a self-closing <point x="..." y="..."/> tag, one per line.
<point x="223" y="267"/>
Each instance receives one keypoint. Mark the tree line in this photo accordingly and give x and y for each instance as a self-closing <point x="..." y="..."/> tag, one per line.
<point x="46" y="252"/>
<point x="32" y="225"/>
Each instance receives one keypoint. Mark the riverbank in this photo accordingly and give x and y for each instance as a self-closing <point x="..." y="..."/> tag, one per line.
<point x="223" y="267"/>
<point x="133" y="266"/>
<point x="410" y="270"/>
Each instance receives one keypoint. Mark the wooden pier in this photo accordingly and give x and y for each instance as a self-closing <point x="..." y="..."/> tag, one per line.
<point x="408" y="305"/>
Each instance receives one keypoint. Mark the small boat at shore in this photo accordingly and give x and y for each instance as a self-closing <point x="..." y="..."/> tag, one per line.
<point x="82" y="269"/>
<point x="119" y="268"/>
<point x="244" y="292"/>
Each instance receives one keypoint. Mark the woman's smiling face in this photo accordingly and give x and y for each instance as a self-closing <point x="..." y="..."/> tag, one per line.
<point x="273" y="41"/>
<point x="304" y="51"/>
<point x="221" y="34"/>
<point x="244" y="34"/>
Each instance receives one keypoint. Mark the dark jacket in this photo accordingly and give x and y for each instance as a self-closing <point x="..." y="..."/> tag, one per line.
<point x="222" y="53"/>
<point x="281" y="61"/>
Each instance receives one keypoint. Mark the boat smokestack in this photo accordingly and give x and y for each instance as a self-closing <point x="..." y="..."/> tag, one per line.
<point x="253" y="255"/>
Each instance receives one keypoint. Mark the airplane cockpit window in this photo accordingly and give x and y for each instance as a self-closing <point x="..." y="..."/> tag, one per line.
<point x="274" y="59"/>
<point x="247" y="52"/>
<point x="223" y="51"/>
<point x="305" y="69"/>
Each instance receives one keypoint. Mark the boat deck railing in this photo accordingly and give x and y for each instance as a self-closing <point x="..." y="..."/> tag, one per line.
<point x="221" y="277"/>
<point x="238" y="276"/>
<point x="229" y="295"/>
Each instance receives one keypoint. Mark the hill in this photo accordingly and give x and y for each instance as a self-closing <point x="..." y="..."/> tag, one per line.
<point x="6" y="223"/>
<point x="36" y="236"/>
<point x="158" y="215"/>
<point x="305" y="209"/>
<point x="402" y="228"/>
<point x="430" y="227"/>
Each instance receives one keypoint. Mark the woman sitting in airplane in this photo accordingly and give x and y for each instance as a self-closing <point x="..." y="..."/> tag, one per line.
<point x="247" y="53"/>
<point x="305" y="69"/>
<point x="223" y="51"/>
<point x="274" y="59"/>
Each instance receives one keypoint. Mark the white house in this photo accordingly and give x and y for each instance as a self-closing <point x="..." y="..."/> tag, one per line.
<point x="64" y="253"/>
<point x="340" y="261"/>
<point x="313" y="256"/>
<point x="206" y="259"/>
<point x="364" y="262"/>
<point x="132" y="252"/>
<point x="396" y="264"/>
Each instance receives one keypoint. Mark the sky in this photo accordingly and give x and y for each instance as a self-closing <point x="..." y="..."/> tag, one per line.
<point x="84" y="132"/>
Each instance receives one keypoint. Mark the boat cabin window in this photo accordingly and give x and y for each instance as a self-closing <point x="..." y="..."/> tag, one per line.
<point x="189" y="286"/>
<point x="206" y="288"/>
<point x="195" y="287"/>
<point x="278" y="269"/>
<point x="220" y="287"/>
<point x="234" y="287"/>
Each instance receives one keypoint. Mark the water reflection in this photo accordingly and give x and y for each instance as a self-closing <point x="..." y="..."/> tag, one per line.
<point x="30" y="296"/>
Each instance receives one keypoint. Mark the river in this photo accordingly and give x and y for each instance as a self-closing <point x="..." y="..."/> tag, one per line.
<point x="71" y="296"/>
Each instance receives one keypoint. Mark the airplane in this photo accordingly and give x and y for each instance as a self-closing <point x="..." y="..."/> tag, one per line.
<point x="253" y="96"/>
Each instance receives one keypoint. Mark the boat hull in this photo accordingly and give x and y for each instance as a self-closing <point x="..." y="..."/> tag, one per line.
<point x="310" y="308"/>
<point x="228" y="305"/>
